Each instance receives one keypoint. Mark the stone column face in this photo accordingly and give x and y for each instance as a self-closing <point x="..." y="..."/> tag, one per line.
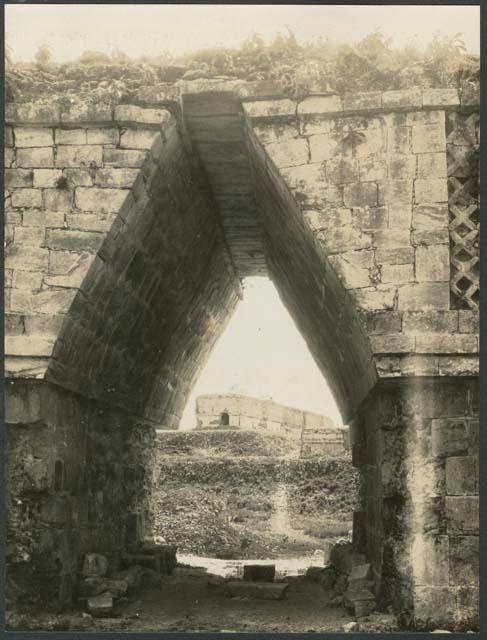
<point x="416" y="444"/>
<point x="79" y="478"/>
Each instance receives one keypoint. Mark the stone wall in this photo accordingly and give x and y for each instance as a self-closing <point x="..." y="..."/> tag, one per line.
<point x="120" y="275"/>
<point x="416" y="444"/>
<point x="79" y="475"/>
<point x="251" y="413"/>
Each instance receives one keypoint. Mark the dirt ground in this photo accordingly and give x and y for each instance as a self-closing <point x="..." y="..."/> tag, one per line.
<point x="184" y="603"/>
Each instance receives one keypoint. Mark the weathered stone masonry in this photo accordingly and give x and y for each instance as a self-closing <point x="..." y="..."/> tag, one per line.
<point x="123" y="263"/>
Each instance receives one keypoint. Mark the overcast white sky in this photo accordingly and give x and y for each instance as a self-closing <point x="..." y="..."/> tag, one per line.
<point x="139" y="29"/>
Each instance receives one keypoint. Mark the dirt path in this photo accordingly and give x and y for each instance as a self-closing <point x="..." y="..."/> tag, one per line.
<point x="280" y="521"/>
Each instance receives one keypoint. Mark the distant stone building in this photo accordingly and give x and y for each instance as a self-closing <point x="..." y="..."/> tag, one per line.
<point x="314" y="433"/>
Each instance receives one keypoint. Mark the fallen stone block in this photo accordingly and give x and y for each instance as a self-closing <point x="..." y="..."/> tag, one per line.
<point x="360" y="572"/>
<point x="259" y="572"/>
<point x="132" y="576"/>
<point x="101" y="605"/>
<point x="328" y="577"/>
<point x="344" y="557"/>
<point x="94" y="565"/>
<point x="314" y="573"/>
<point x="362" y="608"/>
<point x="190" y="572"/>
<point x="257" y="590"/>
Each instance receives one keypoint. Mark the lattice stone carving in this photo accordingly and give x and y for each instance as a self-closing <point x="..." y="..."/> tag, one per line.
<point x="463" y="200"/>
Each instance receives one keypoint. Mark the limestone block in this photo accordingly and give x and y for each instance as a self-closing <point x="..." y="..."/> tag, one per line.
<point x="375" y="298"/>
<point x="428" y="138"/>
<point x="103" y="200"/>
<point x="446" y="343"/>
<point x="331" y="217"/>
<point x="382" y="322"/>
<point x="310" y="182"/>
<point x="51" y="302"/>
<point x="434" y="236"/>
<point x="28" y="345"/>
<point x="103" y="136"/>
<point x="270" y="108"/>
<point x="395" y="192"/>
<point x="430" y="321"/>
<point x="353" y="275"/>
<point x="464" y="560"/>
<point x="430" y="602"/>
<point x="370" y="217"/>
<point x="73" y="240"/>
<point x="40" y="218"/>
<point x="320" y="104"/>
<point x="26" y="280"/>
<point x="462" y="475"/>
<point x="90" y="221"/>
<point x="449" y="437"/>
<point x="290" y="152"/>
<point x="64" y="262"/>
<point x="14" y="217"/>
<point x="273" y="132"/>
<point x="8" y="157"/>
<point x="427" y="216"/>
<point x="257" y="590"/>
<point x="360" y="194"/>
<point x="133" y="113"/>
<point x="34" y="112"/>
<point x="440" y="97"/>
<point x="397" y="273"/>
<point x="468" y="321"/>
<point x="29" y="236"/>
<point x="432" y="190"/>
<point x="8" y="136"/>
<point x="342" y="170"/>
<point x="33" y="137"/>
<point x="424" y="296"/>
<point x="419" y="365"/>
<point x="395" y="255"/>
<point x="114" y="177"/>
<point x="458" y="366"/>
<point x="22" y="405"/>
<point x="13" y="324"/>
<point x="431" y="165"/>
<point x="426" y="117"/>
<point x="78" y="177"/>
<point x="44" y="178"/>
<point x="259" y="572"/>
<point x="404" y="98"/>
<point x="315" y="125"/>
<point x="26" y="258"/>
<point x="342" y="239"/>
<point x="362" y="101"/>
<point x="372" y="168"/>
<point x="370" y="141"/>
<point x="70" y="136"/>
<point x="87" y="112"/>
<point x="431" y="560"/>
<point x="101" y="605"/>
<point x="400" y="216"/>
<point x="26" y="198"/>
<point x="35" y="157"/>
<point x="399" y="139"/>
<point x="462" y="514"/>
<point x="392" y="344"/>
<point x="323" y="147"/>
<point x="138" y="139"/>
<point x="74" y="278"/>
<point x="433" y="263"/>
<point x="57" y="199"/>
<point x="79" y="155"/>
<point x="25" y="368"/>
<point x="18" y="178"/>
<point x="384" y="239"/>
<point x="401" y="166"/>
<point x="42" y="325"/>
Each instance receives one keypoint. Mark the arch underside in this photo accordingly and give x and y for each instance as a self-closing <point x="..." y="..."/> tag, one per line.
<point x="167" y="277"/>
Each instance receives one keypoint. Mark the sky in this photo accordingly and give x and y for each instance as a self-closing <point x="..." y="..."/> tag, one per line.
<point x="138" y="29"/>
<point x="262" y="354"/>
